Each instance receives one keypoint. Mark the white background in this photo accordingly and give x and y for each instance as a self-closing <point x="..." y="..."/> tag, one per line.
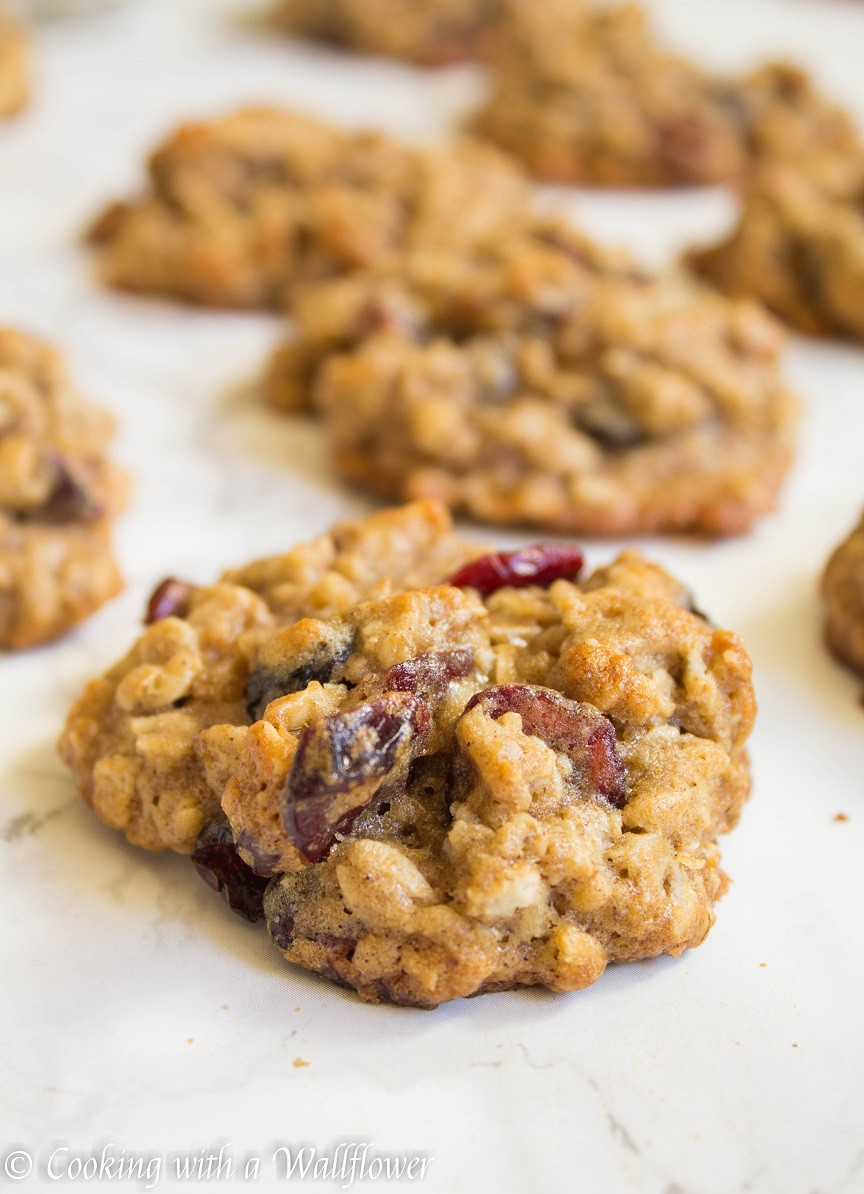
<point x="135" y="1008"/>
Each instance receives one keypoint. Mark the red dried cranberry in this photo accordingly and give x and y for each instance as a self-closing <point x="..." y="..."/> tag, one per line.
<point x="686" y="145"/>
<point x="383" y="316"/>
<point x="170" y="599"/>
<point x="342" y="761"/>
<point x="68" y="500"/>
<point x="429" y="674"/>
<point x="573" y="728"/>
<point x="538" y="565"/>
<point x="219" y="865"/>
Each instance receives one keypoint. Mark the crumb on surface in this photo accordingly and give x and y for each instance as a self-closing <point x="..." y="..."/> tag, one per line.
<point x="841" y="817"/>
<point x="299" y="1063"/>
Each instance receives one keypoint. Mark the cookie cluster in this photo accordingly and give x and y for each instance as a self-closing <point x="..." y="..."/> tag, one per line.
<point x="432" y="768"/>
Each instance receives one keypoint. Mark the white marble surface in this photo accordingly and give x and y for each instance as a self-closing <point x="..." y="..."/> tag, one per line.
<point x="136" y="1010"/>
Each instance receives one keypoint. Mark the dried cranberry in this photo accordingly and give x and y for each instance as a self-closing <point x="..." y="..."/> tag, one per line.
<point x="538" y="565"/>
<point x="170" y="599"/>
<point x="68" y="500"/>
<point x="267" y="683"/>
<point x="427" y="674"/>
<point x="686" y="145"/>
<point x="281" y="929"/>
<point x="573" y="728"/>
<point x="342" y="761"/>
<point x="218" y="863"/>
<point x="386" y="316"/>
<point x="457" y="41"/>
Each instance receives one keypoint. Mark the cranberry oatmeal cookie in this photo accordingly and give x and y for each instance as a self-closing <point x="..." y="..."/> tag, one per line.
<point x="509" y="778"/>
<point x="241" y="209"/>
<point x="586" y="94"/>
<point x="548" y="384"/>
<point x="843" y="595"/>
<point x="58" y="495"/>
<point x="14" y="67"/>
<point x="433" y="33"/>
<point x="799" y="247"/>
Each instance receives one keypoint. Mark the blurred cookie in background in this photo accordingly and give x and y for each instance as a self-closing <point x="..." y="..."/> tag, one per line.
<point x="799" y="247"/>
<point x="591" y="95"/>
<point x="239" y="210"/>
<point x="843" y="596"/>
<point x="14" y="66"/>
<point x="548" y="383"/>
<point x="58" y="496"/>
<point x="432" y="33"/>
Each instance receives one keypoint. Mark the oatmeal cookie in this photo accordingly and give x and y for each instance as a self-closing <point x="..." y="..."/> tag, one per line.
<point x="14" y="67"/>
<point x="436" y="772"/>
<point x="507" y="780"/>
<point x="549" y="386"/>
<point x="241" y="209"/>
<point x="434" y="33"/>
<point x="586" y="94"/>
<point x="799" y="248"/>
<point x="479" y="290"/>
<point x="134" y="738"/>
<point x="58" y="495"/>
<point x="843" y="595"/>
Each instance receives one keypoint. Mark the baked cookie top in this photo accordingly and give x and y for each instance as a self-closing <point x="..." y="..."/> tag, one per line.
<point x="240" y="209"/>
<point x="588" y="94"/>
<point x="843" y="597"/>
<point x="434" y="33"/>
<point x="548" y="383"/>
<point x="508" y="778"/>
<point x="799" y="246"/>
<point x="58" y="493"/>
<point x="14" y="66"/>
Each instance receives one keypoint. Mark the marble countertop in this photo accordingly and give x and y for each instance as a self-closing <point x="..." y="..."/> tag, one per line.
<point x="139" y="1016"/>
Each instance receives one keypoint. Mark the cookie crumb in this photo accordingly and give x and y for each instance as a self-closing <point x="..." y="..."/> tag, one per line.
<point x="299" y="1063"/>
<point x="841" y="817"/>
<point x="224" y="1007"/>
<point x="190" y="1040"/>
<point x="762" y="965"/>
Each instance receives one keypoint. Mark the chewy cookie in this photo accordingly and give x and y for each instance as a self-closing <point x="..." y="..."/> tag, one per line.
<point x="547" y="383"/>
<point x="799" y="247"/>
<point x="843" y="595"/>
<point x="14" y="67"/>
<point x="433" y="33"/>
<point x="58" y="495"/>
<point x="587" y="94"/>
<point x="241" y="209"/>
<point x="510" y="778"/>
